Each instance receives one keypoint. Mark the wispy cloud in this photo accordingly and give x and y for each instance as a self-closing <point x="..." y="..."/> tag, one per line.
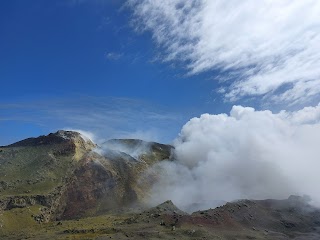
<point x="267" y="48"/>
<point x="113" y="56"/>
<point x="106" y="117"/>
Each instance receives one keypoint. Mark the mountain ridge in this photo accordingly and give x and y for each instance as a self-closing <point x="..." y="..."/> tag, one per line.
<point x="63" y="185"/>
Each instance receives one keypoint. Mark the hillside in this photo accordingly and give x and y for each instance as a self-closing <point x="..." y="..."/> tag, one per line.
<point x="61" y="173"/>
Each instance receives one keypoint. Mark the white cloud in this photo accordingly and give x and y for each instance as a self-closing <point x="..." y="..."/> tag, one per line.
<point x="247" y="154"/>
<point x="113" y="56"/>
<point x="270" y="45"/>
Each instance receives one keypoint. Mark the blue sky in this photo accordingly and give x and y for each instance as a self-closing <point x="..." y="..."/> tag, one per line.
<point x="144" y="68"/>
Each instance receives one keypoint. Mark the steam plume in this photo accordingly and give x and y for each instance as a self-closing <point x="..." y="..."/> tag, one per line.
<point x="247" y="154"/>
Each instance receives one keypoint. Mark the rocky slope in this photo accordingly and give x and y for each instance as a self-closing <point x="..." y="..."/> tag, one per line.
<point x="292" y="218"/>
<point x="61" y="173"/>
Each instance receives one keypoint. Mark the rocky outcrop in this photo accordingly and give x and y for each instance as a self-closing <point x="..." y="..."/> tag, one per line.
<point x="109" y="181"/>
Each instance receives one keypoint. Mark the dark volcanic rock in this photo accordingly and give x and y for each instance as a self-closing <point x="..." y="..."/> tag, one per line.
<point x="293" y="214"/>
<point x="167" y="207"/>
